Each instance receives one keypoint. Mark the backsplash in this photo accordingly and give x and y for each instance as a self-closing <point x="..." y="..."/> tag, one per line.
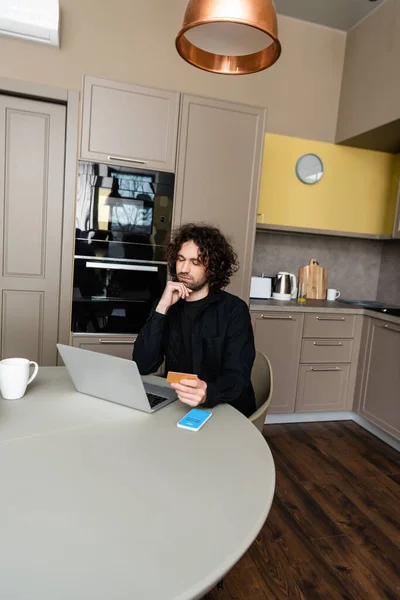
<point x="353" y="264"/>
<point x="389" y="279"/>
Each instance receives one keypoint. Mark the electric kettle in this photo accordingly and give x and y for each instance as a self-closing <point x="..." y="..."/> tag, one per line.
<point x="285" y="286"/>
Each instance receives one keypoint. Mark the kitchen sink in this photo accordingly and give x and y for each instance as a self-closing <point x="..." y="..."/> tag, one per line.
<point x="373" y="305"/>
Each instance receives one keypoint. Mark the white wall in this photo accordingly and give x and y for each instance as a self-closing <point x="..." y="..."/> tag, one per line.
<point x="133" y="41"/>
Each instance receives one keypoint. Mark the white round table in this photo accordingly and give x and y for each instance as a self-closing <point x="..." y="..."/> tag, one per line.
<point x="101" y="502"/>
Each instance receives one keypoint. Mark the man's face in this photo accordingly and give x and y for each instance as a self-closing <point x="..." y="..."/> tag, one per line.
<point x="189" y="268"/>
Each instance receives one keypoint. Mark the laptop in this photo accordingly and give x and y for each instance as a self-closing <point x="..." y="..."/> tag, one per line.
<point x="115" y="379"/>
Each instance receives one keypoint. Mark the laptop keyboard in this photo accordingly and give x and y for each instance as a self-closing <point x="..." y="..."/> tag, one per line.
<point x="155" y="400"/>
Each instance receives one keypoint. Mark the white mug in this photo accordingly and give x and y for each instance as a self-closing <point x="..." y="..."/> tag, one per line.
<point x="14" y="377"/>
<point x="332" y="294"/>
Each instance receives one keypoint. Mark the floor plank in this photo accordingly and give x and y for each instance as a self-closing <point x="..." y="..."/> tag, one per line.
<point x="302" y="459"/>
<point x="307" y="510"/>
<point x="336" y="438"/>
<point x="300" y="559"/>
<point x="378" y="503"/>
<point x="379" y="446"/>
<point x="333" y="531"/>
<point x="375" y="548"/>
<point x="363" y="579"/>
<point x="395" y="477"/>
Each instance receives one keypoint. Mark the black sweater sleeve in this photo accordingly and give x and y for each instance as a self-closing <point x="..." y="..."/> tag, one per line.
<point x="238" y="358"/>
<point x="148" y="350"/>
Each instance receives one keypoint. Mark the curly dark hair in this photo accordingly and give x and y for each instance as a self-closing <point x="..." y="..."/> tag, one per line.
<point x="216" y="253"/>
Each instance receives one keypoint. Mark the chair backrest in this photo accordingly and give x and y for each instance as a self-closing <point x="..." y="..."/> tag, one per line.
<point x="262" y="380"/>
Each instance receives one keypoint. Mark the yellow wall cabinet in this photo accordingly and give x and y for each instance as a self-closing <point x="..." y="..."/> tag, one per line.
<point x="356" y="195"/>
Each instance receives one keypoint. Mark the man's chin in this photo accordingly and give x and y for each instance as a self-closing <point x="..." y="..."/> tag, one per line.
<point x="192" y="285"/>
<point x="196" y="287"/>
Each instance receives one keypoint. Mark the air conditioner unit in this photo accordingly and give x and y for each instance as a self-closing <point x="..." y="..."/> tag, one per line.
<point x="33" y="20"/>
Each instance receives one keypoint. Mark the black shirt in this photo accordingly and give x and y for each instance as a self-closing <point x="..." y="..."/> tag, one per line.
<point x="190" y="311"/>
<point x="222" y="348"/>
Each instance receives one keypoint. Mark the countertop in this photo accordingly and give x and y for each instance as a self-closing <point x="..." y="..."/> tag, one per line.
<point x="319" y="306"/>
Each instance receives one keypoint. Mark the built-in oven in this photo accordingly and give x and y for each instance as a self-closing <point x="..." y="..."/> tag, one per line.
<point x="114" y="296"/>
<point x="123" y="216"/>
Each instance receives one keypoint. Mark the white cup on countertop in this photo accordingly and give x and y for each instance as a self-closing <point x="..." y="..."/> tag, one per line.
<point x="14" y="377"/>
<point x="332" y="294"/>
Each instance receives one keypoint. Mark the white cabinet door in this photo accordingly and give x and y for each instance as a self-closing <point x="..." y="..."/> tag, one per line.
<point x="219" y="164"/>
<point x="129" y="124"/>
<point x="396" y="227"/>
<point x="380" y="400"/>
<point x="32" y="144"/>
<point x="278" y="335"/>
<point x="322" y="388"/>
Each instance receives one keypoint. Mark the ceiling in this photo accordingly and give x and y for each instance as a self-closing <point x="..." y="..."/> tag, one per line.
<point x="338" y="14"/>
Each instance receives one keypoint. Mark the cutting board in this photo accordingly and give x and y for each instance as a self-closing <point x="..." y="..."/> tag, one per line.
<point x="315" y="279"/>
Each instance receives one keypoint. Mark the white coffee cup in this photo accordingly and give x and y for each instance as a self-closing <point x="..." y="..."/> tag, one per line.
<point x="14" y="377"/>
<point x="332" y="294"/>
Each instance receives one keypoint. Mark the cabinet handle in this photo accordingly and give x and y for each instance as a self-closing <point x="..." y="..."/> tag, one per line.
<point x="389" y="328"/>
<point x="136" y="161"/>
<point x="325" y="369"/>
<point x="115" y="342"/>
<point x="262" y="216"/>
<point x="331" y="319"/>
<point x="328" y="344"/>
<point x="289" y="318"/>
<point x="120" y="266"/>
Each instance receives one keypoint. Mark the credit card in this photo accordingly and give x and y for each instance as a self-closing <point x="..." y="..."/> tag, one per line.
<point x="175" y="377"/>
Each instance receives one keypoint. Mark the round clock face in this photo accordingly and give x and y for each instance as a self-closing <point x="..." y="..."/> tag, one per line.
<point x="309" y="168"/>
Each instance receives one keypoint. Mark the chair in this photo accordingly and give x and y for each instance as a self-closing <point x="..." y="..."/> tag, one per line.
<point x="263" y="383"/>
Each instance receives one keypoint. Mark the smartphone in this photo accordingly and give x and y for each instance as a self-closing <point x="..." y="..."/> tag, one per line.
<point x="194" y="419"/>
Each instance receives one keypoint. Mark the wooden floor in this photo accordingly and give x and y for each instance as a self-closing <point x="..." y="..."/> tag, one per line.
<point x="333" y="531"/>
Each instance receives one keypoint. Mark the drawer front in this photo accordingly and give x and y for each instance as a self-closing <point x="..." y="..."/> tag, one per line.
<point x="329" y="326"/>
<point x="114" y="345"/>
<point x="326" y="351"/>
<point x="322" y="388"/>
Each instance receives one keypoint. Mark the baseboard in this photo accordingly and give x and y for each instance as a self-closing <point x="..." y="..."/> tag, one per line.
<point x="344" y="415"/>
<point x="334" y="416"/>
<point x="377" y="432"/>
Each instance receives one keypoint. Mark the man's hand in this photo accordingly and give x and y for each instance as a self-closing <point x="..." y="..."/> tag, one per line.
<point x="173" y="291"/>
<point x="191" y="391"/>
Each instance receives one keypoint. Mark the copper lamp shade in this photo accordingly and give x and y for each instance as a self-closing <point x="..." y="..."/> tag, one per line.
<point x="230" y="37"/>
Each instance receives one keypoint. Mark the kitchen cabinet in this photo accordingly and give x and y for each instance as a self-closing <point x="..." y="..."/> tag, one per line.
<point x="370" y="91"/>
<point x="380" y="391"/>
<point x="396" y="227"/>
<point x="326" y="351"/>
<point x="218" y="172"/>
<point x="314" y="358"/>
<point x="279" y="336"/>
<point x="329" y="325"/>
<point x="329" y="356"/>
<point x="354" y="196"/>
<point x="322" y="388"/>
<point x="124" y="123"/>
<point x="115" y="345"/>
<point x="32" y="155"/>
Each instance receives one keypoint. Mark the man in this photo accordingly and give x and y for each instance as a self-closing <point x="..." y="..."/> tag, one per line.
<point x="198" y="328"/>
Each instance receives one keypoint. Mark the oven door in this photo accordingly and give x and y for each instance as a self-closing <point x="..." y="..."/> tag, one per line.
<point x="114" y="296"/>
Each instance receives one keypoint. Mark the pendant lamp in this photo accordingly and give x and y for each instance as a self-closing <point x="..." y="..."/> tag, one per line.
<point x="230" y="37"/>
